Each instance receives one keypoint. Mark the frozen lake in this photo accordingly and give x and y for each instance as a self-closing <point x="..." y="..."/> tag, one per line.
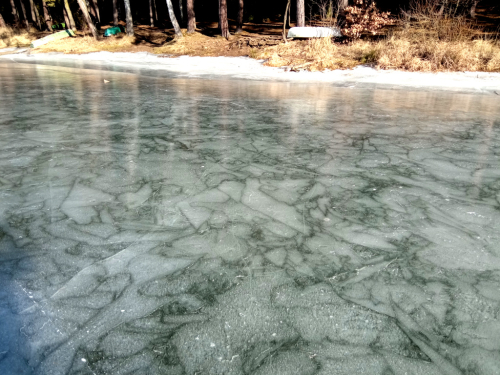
<point x="186" y="226"/>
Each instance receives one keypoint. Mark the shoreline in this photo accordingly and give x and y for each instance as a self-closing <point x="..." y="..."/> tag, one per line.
<point x="246" y="68"/>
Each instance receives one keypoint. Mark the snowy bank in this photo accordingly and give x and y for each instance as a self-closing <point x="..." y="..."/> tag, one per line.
<point x="251" y="69"/>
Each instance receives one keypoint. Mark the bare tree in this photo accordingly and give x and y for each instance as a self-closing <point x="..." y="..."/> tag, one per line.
<point x="239" y="26"/>
<point x="72" y="24"/>
<point x="86" y="15"/>
<point x="46" y="15"/>
<point x="14" y="11"/>
<point x="223" y="23"/>
<point x="173" y="19"/>
<point x="191" y="27"/>
<point x="2" y="21"/>
<point x="115" y="13"/>
<point x="301" y="14"/>
<point x="128" y="16"/>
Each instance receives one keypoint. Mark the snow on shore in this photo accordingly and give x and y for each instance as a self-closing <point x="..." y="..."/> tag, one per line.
<point x="250" y="69"/>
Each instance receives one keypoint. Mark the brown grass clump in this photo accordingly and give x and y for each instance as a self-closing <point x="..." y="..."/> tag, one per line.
<point x="10" y="37"/>
<point x="436" y="55"/>
<point x="316" y="54"/>
<point x="87" y="44"/>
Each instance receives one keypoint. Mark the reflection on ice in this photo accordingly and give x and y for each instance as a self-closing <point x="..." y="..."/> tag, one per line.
<point x="171" y="226"/>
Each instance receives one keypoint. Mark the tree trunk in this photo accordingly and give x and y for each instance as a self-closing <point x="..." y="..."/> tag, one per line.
<point x="473" y="9"/>
<point x="301" y="14"/>
<point x="191" y="17"/>
<point x="38" y="18"/>
<point x="173" y="19"/>
<point x="94" y="13"/>
<point x="239" y="27"/>
<point x="34" y="15"/>
<point x="287" y="10"/>
<point x="128" y="17"/>
<point x="151" y="19"/>
<point x="115" y="13"/>
<point x="2" y="21"/>
<point x="66" y="18"/>
<point x="96" y="5"/>
<point x="72" y="24"/>
<point x="342" y="4"/>
<point x="46" y="15"/>
<point x="86" y="15"/>
<point x="155" y="9"/>
<point x="98" y="9"/>
<point x="223" y="24"/>
<point x="181" y="9"/>
<point x="14" y="12"/>
<point x="24" y="15"/>
<point x="121" y="11"/>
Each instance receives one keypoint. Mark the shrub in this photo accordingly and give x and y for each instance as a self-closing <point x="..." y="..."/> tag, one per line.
<point x="364" y="17"/>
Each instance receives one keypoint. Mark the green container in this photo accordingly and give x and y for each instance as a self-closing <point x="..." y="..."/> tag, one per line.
<point x="59" y="26"/>
<point x="114" y="30"/>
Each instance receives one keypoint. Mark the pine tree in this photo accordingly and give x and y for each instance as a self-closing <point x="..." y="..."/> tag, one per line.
<point x="191" y="27"/>
<point x="223" y="23"/>
<point x="173" y="19"/>
<point x="301" y="14"/>
<point x="128" y="17"/>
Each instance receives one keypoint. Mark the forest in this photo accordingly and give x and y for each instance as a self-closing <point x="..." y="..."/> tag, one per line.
<point x="90" y="14"/>
<point x="408" y="34"/>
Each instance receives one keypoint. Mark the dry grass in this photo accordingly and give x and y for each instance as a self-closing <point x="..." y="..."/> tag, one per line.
<point x="10" y="37"/>
<point x="197" y="44"/>
<point x="316" y="54"/>
<point x="429" y="44"/>
<point x="435" y="43"/>
<point x="87" y="44"/>
<point x="435" y="55"/>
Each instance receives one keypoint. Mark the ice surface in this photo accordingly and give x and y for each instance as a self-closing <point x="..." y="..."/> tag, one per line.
<point x="170" y="225"/>
<point x="250" y="69"/>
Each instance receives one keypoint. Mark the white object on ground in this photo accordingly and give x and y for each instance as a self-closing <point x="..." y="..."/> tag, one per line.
<point x="50" y="38"/>
<point x="314" y="32"/>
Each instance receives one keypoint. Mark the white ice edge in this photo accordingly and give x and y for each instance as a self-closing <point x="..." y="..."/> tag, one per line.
<point x="251" y="69"/>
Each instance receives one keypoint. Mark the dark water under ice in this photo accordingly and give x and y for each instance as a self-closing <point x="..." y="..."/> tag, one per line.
<point x="183" y="226"/>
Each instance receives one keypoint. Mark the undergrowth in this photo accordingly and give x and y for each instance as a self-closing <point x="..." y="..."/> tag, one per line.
<point x="87" y="44"/>
<point x="10" y="37"/>
<point x="422" y="40"/>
